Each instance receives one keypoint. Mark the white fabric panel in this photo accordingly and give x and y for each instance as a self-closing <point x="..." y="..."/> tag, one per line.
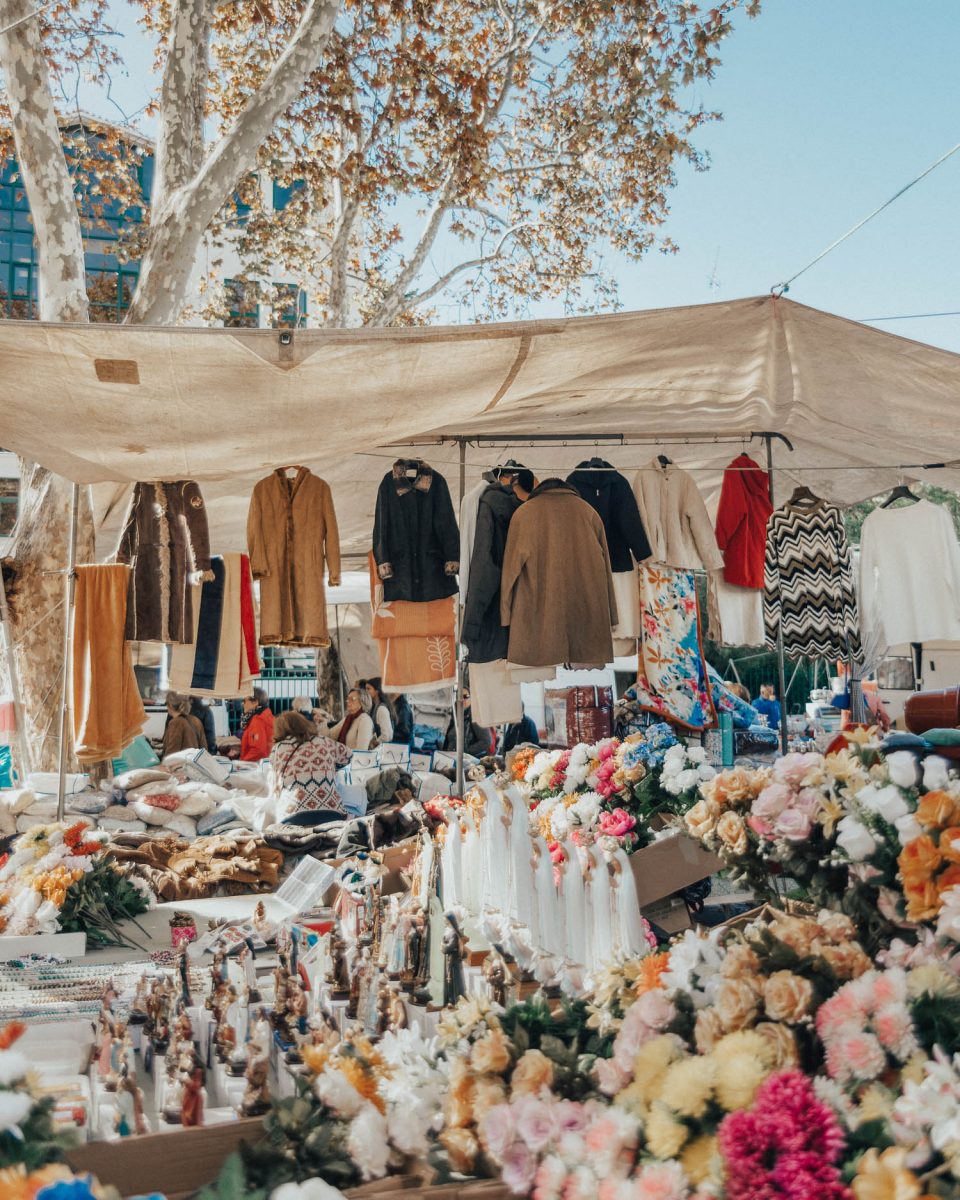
<point x="225" y="406"/>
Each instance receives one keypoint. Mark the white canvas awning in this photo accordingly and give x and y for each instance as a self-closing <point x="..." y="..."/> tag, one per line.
<point x="109" y="405"/>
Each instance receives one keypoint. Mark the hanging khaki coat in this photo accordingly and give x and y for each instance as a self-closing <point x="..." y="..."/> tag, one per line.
<point x="556" y="590"/>
<point x="291" y="536"/>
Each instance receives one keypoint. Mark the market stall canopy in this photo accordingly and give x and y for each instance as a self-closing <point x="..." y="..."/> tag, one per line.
<point x="106" y="404"/>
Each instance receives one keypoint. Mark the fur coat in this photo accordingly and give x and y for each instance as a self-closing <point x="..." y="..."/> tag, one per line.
<point x="166" y="542"/>
<point x="556" y="593"/>
<point x="292" y="536"/>
<point x="416" y="542"/>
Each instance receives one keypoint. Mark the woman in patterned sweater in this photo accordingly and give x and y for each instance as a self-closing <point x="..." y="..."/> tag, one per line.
<point x="304" y="772"/>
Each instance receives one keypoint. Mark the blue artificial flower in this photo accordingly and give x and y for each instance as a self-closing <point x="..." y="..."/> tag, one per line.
<point x="78" y="1188"/>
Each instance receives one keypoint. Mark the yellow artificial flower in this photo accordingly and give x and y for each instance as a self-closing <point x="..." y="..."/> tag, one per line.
<point x="886" y="1176"/>
<point x="688" y="1085"/>
<point x="876" y="1104"/>
<point x="665" y="1134"/>
<point x="700" y="1159"/>
<point x="932" y="980"/>
<point x="830" y="813"/>
<point x="743" y="1061"/>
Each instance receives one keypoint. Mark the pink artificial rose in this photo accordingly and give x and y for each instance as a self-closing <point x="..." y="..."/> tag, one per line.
<point x="607" y="749"/>
<point x="569" y="1116"/>
<point x="617" y="823"/>
<point x="793" y="768"/>
<point x="497" y="1130"/>
<point x="519" y="1169"/>
<point x="556" y="853"/>
<point x="774" y="798"/>
<point x="657" y="1008"/>
<point x="611" y="1076"/>
<point x="808" y="801"/>
<point x="534" y="1123"/>
<point x="760" y="827"/>
<point x="792" y="825"/>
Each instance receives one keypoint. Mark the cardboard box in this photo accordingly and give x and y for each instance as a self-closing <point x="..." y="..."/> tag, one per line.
<point x="670" y="914"/>
<point x="174" y="1164"/>
<point x="665" y="867"/>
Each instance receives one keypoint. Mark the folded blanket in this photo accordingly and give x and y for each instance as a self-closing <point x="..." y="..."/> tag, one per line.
<point x="107" y="710"/>
<point x="416" y="641"/>
<point x="223" y="658"/>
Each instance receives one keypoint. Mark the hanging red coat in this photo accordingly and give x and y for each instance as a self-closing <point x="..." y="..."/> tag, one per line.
<point x="742" y="522"/>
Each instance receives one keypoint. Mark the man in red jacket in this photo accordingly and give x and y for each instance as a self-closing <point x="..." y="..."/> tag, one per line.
<point x="256" y="739"/>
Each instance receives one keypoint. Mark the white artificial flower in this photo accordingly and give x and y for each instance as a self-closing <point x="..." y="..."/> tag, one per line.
<point x="368" y="1144"/>
<point x="706" y="772"/>
<point x="903" y="768"/>
<point x="908" y="828"/>
<point x="26" y="903"/>
<point x="855" y="839"/>
<point x="935" y="773"/>
<point x="560" y="823"/>
<point x="948" y="923"/>
<point x="587" y="809"/>
<point x="14" y="1106"/>
<point x="335" y="1091"/>
<point x="47" y="915"/>
<point x="887" y="802"/>
<point x="13" y="1066"/>
<point x="697" y="754"/>
<point x="687" y="779"/>
<point x="409" y="1125"/>
<point x="310" y="1189"/>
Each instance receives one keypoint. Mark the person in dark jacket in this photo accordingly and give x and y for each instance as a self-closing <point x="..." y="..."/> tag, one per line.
<point x="403" y="729"/>
<point x="416" y="542"/>
<point x="606" y="490"/>
<point x="483" y="635"/>
<point x="476" y="738"/>
<point x="204" y="715"/>
<point x="522" y="733"/>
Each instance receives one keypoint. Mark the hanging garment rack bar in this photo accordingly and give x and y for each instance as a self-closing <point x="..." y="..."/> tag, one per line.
<point x="575" y="439"/>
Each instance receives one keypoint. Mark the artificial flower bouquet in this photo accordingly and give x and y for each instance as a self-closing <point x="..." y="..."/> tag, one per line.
<point x="61" y="878"/>
<point x="612" y="793"/>
<point x="863" y="832"/>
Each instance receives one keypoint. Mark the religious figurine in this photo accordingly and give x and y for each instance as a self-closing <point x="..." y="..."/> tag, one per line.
<point x="260" y="923"/>
<point x="191" y="1107"/>
<point x="454" y="946"/>
<point x="396" y="1011"/>
<point x="120" y="1052"/>
<point x="420" y="957"/>
<point x="218" y="968"/>
<point x="129" y="1118"/>
<point x="172" y="1094"/>
<point x="138" y="1007"/>
<point x="281" y="976"/>
<point x="245" y="958"/>
<point x="227" y="1018"/>
<point x="256" y="1097"/>
<point x="297" y="1006"/>
<point x="495" y="974"/>
<point x="183" y="964"/>
<point x="338" y="976"/>
<point x="182" y="1028"/>
<point x="106" y="1028"/>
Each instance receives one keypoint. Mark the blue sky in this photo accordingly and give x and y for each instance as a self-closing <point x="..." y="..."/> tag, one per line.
<point x="829" y="107"/>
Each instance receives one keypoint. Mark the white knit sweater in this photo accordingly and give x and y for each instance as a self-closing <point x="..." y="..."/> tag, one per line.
<point x="675" y="518"/>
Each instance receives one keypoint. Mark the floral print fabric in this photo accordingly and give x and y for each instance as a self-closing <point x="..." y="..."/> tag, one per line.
<point x="672" y="673"/>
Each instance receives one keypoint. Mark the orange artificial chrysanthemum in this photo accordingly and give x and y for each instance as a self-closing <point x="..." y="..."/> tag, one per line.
<point x="522" y="761"/>
<point x="10" y="1033"/>
<point x="74" y="835"/>
<point x="936" y="809"/>
<point x="918" y="860"/>
<point x="651" y="969"/>
<point x="87" y="848"/>
<point x="362" y="1082"/>
<point x="315" y="1058"/>
<point x="949" y="878"/>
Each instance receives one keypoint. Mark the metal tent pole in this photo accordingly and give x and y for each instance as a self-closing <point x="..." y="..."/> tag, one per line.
<point x="781" y="672"/>
<point x="71" y="585"/>
<point x="458" y="687"/>
<point x="26" y="764"/>
<point x="343" y="699"/>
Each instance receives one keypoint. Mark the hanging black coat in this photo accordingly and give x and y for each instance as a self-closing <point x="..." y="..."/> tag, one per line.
<point x="484" y="637"/>
<point x="606" y="490"/>
<point x="416" y="542"/>
<point x="165" y="539"/>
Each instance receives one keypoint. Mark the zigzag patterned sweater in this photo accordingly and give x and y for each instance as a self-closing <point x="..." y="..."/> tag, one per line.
<point x="808" y="583"/>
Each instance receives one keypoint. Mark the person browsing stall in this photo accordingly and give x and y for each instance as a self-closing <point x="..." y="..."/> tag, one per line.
<point x="184" y="731"/>
<point x="355" y="731"/>
<point x="256" y="737"/>
<point x="303" y="772"/>
<point x="381" y="710"/>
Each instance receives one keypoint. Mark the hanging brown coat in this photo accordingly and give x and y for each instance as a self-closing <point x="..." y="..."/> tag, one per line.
<point x="165" y="540"/>
<point x="291" y="535"/>
<point x="556" y="591"/>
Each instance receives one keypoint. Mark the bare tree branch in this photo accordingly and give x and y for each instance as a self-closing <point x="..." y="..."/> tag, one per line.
<point x="175" y="238"/>
<point x="61" y="281"/>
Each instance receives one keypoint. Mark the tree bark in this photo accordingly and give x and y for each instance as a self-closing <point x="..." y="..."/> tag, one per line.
<point x="61" y="281"/>
<point x="35" y="586"/>
<point x="183" y="98"/>
<point x="177" y="230"/>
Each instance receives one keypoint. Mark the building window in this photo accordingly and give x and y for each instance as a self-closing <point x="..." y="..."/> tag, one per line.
<point x="282" y="195"/>
<point x="242" y="308"/>
<point x="110" y="291"/>
<point x="290" y="306"/>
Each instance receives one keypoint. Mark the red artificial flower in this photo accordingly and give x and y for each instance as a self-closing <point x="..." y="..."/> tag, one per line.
<point x="10" y="1032"/>
<point x="74" y="834"/>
